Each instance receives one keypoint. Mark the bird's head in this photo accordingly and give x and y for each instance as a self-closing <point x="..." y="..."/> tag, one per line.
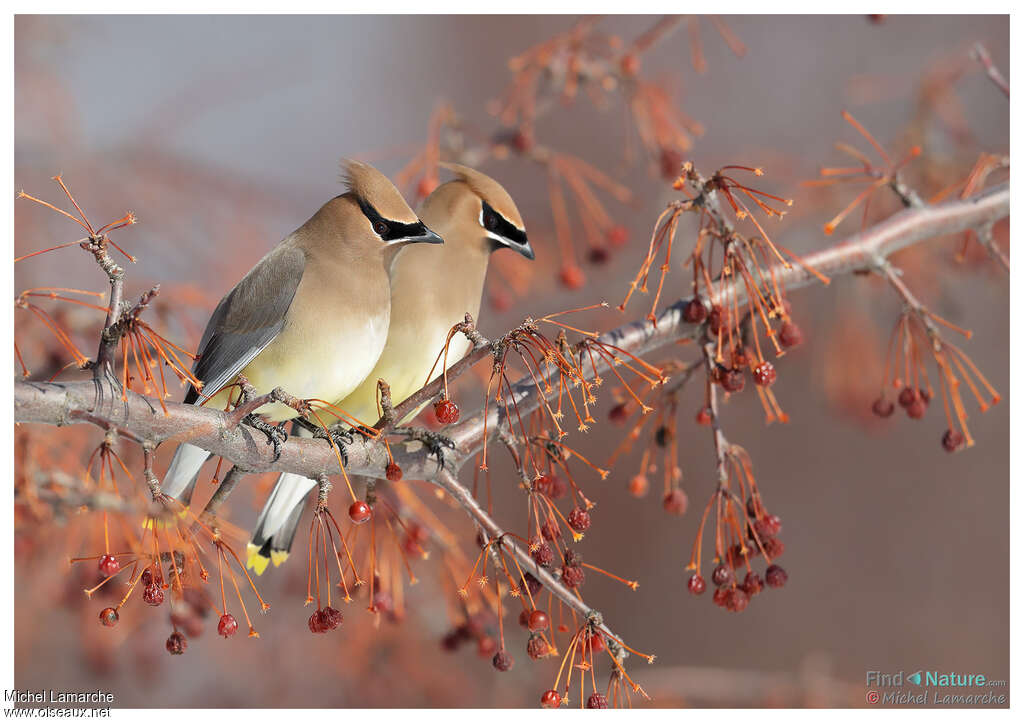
<point x="476" y="200"/>
<point x="385" y="214"/>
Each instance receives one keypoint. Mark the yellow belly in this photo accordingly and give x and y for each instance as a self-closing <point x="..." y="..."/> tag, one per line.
<point x="325" y="359"/>
<point x="404" y="365"/>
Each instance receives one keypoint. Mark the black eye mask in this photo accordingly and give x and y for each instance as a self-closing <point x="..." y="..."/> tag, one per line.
<point x="393" y="230"/>
<point x="502" y="227"/>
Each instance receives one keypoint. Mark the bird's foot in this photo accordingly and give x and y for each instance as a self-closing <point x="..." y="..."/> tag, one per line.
<point x="433" y="441"/>
<point x="341" y="438"/>
<point x="275" y="432"/>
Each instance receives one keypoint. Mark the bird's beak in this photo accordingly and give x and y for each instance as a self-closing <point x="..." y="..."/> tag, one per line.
<point x="525" y="249"/>
<point x="426" y="237"/>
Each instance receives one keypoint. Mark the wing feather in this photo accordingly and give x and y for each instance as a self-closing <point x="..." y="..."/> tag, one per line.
<point x="247" y="319"/>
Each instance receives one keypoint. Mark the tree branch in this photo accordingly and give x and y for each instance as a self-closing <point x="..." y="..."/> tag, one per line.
<point x="82" y="402"/>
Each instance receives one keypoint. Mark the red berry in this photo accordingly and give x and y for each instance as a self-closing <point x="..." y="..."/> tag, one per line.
<point x="917" y="408"/>
<point x="638" y="486"/>
<point x="550" y="530"/>
<point x="883" y="407"/>
<point x="907" y="396"/>
<point x="109" y="617"/>
<point x="541" y="553"/>
<point x="556" y="487"/>
<point x="532" y="583"/>
<point x="359" y="512"/>
<point x="446" y="411"/>
<point x="109" y="565"/>
<point x="790" y="335"/>
<point x="768" y="526"/>
<point x="147" y="577"/>
<point x="522" y="141"/>
<point x="524" y="618"/>
<point x="393" y="472"/>
<point x="695" y="312"/>
<point x="618" y="235"/>
<point x="536" y="647"/>
<point x="619" y="413"/>
<point x="227" y="626"/>
<point x="153" y="594"/>
<point x="733" y="381"/>
<point x="773" y="547"/>
<point x="334" y="618"/>
<point x="952" y="440"/>
<point x="571" y="277"/>
<point x="752" y="584"/>
<point x="764" y="374"/>
<point x="696" y="584"/>
<point x="598" y="255"/>
<point x="573" y="576"/>
<point x="775" y="576"/>
<point x="176" y="643"/>
<point x="630" y="64"/>
<point x="704" y="417"/>
<point x="675" y="502"/>
<point x="597" y="700"/>
<point x="736" y="600"/>
<point x="538" y="621"/>
<point x="720" y="596"/>
<point x="502" y="661"/>
<point x="317" y="622"/>
<point x="671" y="163"/>
<point x="486" y="646"/>
<point x="550" y="699"/>
<point x="722" y="576"/>
<point x="595" y="641"/>
<point x="579" y="519"/>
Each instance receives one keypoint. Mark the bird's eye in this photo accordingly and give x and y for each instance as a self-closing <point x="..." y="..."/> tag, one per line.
<point x="490" y="221"/>
<point x="380" y="228"/>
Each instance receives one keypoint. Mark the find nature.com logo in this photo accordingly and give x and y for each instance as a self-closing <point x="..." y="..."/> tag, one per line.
<point x="932" y="679"/>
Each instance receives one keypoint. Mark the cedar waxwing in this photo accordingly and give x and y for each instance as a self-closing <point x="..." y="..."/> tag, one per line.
<point x="312" y="316"/>
<point x="432" y="290"/>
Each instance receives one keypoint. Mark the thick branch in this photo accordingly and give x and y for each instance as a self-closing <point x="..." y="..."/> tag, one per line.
<point x="80" y="402"/>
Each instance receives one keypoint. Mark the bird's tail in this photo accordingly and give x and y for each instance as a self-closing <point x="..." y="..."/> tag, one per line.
<point x="181" y="476"/>
<point x="279" y="519"/>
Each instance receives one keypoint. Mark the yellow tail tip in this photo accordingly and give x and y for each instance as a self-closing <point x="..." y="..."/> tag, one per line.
<point x="254" y="560"/>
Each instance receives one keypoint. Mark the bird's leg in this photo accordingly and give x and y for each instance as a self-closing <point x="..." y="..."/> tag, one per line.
<point x="433" y="441"/>
<point x="275" y="432"/>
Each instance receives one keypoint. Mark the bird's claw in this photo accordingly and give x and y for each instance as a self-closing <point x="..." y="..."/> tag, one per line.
<point x="436" y="443"/>
<point x="340" y="438"/>
<point x="275" y="433"/>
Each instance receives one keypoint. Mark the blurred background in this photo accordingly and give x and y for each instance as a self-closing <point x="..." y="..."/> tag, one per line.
<point x="223" y="134"/>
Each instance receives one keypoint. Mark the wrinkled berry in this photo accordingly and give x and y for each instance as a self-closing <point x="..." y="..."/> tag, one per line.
<point x="775" y="576"/>
<point x="579" y="519"/>
<point x="502" y="661"/>
<point x="227" y="625"/>
<point x="176" y="643"/>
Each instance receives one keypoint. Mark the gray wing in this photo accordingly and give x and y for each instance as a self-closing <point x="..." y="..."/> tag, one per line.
<point x="247" y="319"/>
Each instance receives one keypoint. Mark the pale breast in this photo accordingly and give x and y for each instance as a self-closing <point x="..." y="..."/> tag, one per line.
<point x="320" y="358"/>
